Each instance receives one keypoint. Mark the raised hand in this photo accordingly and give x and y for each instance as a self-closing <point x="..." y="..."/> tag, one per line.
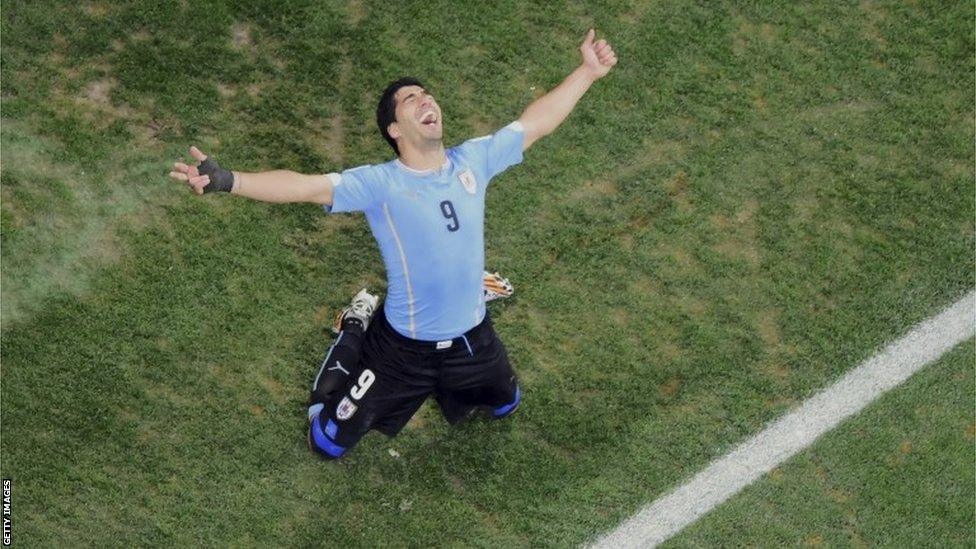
<point x="598" y="57"/>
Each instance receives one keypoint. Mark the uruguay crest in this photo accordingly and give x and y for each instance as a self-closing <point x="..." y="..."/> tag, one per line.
<point x="345" y="409"/>
<point x="469" y="182"/>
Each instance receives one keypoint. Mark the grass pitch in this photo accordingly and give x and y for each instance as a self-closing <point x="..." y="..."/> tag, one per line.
<point x="899" y="475"/>
<point x="754" y="200"/>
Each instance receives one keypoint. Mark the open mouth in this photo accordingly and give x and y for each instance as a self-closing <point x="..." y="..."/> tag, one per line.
<point x="429" y="118"/>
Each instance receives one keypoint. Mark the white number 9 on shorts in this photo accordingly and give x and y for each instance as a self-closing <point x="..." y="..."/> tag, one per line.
<point x="365" y="381"/>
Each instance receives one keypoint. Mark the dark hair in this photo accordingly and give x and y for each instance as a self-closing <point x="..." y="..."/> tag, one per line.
<point x="386" y="109"/>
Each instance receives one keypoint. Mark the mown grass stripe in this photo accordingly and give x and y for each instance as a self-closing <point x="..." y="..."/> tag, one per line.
<point x="792" y="433"/>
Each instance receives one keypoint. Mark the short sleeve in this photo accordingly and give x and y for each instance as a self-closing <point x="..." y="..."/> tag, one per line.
<point x="500" y="150"/>
<point x="356" y="189"/>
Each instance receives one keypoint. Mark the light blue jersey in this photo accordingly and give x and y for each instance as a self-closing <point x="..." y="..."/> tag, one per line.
<point x="430" y="226"/>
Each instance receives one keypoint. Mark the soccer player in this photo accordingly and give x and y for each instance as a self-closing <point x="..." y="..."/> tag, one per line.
<point x="432" y="335"/>
<point x="344" y="354"/>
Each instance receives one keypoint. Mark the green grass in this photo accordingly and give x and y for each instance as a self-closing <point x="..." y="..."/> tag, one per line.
<point x="898" y="475"/>
<point x="755" y="200"/>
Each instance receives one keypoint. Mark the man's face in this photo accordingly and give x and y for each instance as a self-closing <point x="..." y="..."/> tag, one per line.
<point x="418" y="117"/>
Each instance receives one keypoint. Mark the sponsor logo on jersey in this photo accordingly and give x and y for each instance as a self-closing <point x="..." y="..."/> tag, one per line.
<point x="469" y="182"/>
<point x="338" y="366"/>
<point x="345" y="409"/>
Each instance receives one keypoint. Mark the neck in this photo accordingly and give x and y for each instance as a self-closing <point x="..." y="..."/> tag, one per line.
<point x="424" y="158"/>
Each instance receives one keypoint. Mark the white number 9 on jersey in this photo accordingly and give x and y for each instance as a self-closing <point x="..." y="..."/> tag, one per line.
<point x="366" y="379"/>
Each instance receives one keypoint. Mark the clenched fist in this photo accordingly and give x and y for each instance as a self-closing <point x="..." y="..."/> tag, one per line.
<point x="598" y="57"/>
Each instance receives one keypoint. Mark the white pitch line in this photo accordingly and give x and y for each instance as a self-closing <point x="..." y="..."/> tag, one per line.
<point x="795" y="431"/>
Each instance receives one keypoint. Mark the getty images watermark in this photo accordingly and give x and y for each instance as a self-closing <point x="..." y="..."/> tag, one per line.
<point x="6" y="511"/>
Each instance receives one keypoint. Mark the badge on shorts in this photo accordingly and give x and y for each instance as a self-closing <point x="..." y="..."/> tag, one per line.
<point x="469" y="182"/>
<point x="345" y="409"/>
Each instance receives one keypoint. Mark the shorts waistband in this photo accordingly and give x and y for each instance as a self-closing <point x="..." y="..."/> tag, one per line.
<point x="423" y="345"/>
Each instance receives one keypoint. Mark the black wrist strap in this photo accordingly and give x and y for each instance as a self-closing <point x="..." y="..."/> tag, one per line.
<point x="221" y="180"/>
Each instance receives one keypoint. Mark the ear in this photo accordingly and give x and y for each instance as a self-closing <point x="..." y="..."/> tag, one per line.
<point x="394" y="130"/>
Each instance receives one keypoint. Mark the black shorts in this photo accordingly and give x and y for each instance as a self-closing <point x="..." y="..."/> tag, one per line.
<point x="396" y="374"/>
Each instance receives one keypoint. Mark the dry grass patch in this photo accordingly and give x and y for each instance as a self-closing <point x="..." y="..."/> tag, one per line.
<point x="330" y="140"/>
<point x="620" y="317"/>
<point x="626" y="240"/>
<point x="775" y="368"/>
<point x="690" y="305"/>
<point x="99" y="91"/>
<point x="748" y="31"/>
<point x="667" y="351"/>
<point x="273" y="387"/>
<point x="677" y="258"/>
<point x="593" y="189"/>
<point x="666" y="346"/>
<point x="72" y="235"/>
<point x="96" y="9"/>
<point x="670" y="387"/>
<point x="874" y="15"/>
<point x="677" y="189"/>
<point x="240" y="35"/>
<point x="805" y="205"/>
<point x="226" y="91"/>
<point x="356" y="12"/>
<point x="644" y="285"/>
<point x="738" y="236"/>
<point x="838" y="110"/>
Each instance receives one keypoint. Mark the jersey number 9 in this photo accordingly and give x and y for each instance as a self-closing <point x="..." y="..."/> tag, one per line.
<point x="448" y="210"/>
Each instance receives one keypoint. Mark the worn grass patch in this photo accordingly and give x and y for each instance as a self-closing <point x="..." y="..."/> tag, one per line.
<point x="61" y="221"/>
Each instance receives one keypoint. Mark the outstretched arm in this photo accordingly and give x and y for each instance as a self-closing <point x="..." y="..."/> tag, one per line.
<point x="546" y="113"/>
<point x="271" y="186"/>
